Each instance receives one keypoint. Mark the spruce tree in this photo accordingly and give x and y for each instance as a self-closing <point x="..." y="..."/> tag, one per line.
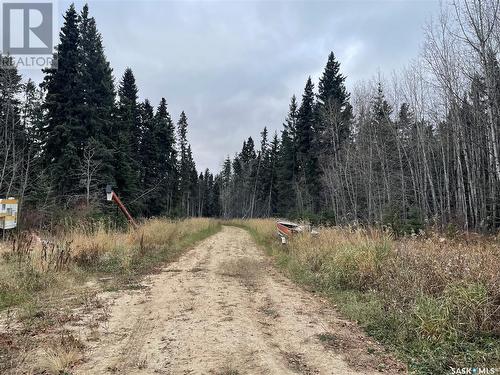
<point x="250" y="171"/>
<point x="291" y="120"/>
<point x="248" y="151"/>
<point x="212" y="197"/>
<point x="12" y="133"/>
<point x="263" y="178"/>
<point x="192" y="183"/>
<point x="126" y="132"/>
<point x="307" y="158"/>
<point x="334" y="113"/>
<point x="128" y="110"/>
<point x="287" y="162"/>
<point x="202" y="204"/>
<point x="185" y="159"/>
<point x="272" y="177"/>
<point x="98" y="96"/>
<point x="150" y="149"/>
<point x="167" y="159"/>
<point x="286" y="185"/>
<point x="225" y="187"/>
<point x="305" y="124"/>
<point x="66" y="133"/>
<point x="385" y="165"/>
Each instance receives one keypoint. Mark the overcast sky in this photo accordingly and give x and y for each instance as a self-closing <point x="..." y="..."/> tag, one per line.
<point x="232" y="66"/>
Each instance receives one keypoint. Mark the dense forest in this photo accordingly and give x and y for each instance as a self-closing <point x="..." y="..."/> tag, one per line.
<point x="422" y="148"/>
<point x="64" y="141"/>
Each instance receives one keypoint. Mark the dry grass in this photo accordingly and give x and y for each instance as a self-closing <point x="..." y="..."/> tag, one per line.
<point x="32" y="264"/>
<point x="59" y="357"/>
<point x="152" y="235"/>
<point x="437" y="299"/>
<point x="228" y="370"/>
<point x="58" y="360"/>
<point x="246" y="269"/>
<point x="367" y="259"/>
<point x="46" y="281"/>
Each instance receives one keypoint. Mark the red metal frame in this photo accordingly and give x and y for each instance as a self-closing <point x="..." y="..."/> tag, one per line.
<point x="118" y="201"/>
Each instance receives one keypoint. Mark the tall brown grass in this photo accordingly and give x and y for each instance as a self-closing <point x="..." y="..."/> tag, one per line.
<point x="33" y="263"/>
<point x="45" y="277"/>
<point x="435" y="298"/>
<point x="152" y="235"/>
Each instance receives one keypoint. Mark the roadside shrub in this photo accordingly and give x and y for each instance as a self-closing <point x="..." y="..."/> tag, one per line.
<point x="403" y="223"/>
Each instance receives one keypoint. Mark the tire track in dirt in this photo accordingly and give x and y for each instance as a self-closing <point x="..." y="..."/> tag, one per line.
<point x="223" y="309"/>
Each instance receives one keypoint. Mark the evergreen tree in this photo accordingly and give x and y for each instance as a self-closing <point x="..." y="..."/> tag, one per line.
<point x="32" y="116"/>
<point x="307" y="158"/>
<point x="128" y="110"/>
<point x="167" y="159"/>
<point x="290" y="124"/>
<point x="12" y="132"/>
<point x="186" y="170"/>
<point x="182" y="125"/>
<point x="66" y="134"/>
<point x="158" y="159"/>
<point x="127" y="139"/>
<point x="287" y="162"/>
<point x="202" y="205"/>
<point x="225" y="187"/>
<point x="98" y="95"/>
<point x="272" y="177"/>
<point x="214" y="209"/>
<point x="384" y="156"/>
<point x="150" y="163"/>
<point x="192" y="183"/>
<point x="305" y="124"/>
<point x="250" y="170"/>
<point x="333" y="126"/>
<point x="286" y="176"/>
<point x="263" y="180"/>
<point x="248" y="151"/>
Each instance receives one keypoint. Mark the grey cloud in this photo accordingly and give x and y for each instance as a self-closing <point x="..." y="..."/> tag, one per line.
<point x="233" y="66"/>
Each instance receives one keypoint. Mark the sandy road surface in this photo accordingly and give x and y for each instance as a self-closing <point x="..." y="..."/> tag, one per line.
<point x="222" y="309"/>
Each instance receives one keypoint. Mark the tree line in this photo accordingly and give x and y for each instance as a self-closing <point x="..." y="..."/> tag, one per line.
<point x="418" y="149"/>
<point x="64" y="141"/>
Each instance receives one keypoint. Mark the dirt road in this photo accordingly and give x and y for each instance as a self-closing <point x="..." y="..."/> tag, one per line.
<point x="223" y="309"/>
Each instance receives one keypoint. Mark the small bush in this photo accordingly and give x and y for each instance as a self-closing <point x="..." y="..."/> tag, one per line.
<point x="403" y="223"/>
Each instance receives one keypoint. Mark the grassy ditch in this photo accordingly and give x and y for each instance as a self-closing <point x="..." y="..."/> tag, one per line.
<point x="29" y="266"/>
<point x="435" y="301"/>
<point x="45" y="285"/>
